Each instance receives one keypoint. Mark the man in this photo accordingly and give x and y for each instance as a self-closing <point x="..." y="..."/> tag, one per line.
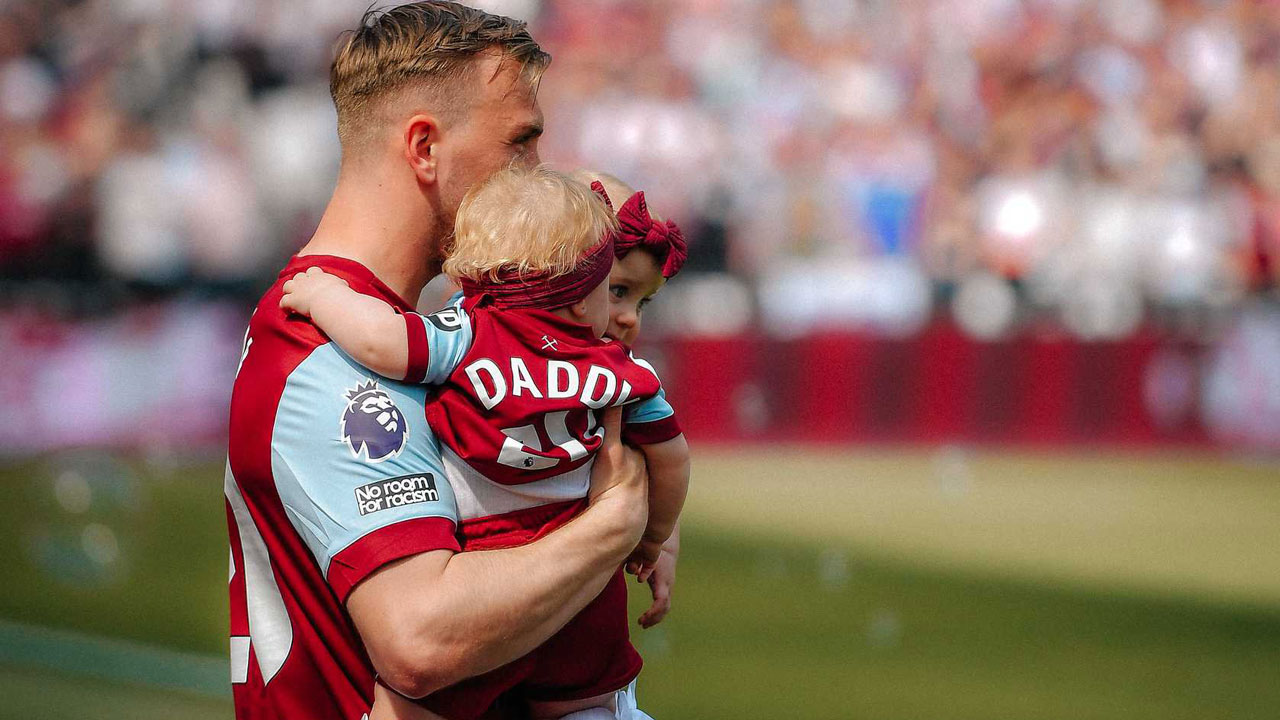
<point x="344" y="563"/>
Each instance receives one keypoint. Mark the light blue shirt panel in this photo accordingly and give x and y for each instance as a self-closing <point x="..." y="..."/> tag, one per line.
<point x="447" y="347"/>
<point x="648" y="410"/>
<point x="316" y="469"/>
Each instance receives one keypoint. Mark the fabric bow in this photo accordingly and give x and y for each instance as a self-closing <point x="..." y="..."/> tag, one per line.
<point x="637" y="228"/>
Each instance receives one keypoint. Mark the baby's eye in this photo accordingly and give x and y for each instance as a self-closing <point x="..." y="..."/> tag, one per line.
<point x="618" y="291"/>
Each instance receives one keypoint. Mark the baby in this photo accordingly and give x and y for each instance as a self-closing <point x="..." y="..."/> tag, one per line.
<point x="648" y="252"/>
<point x="521" y="373"/>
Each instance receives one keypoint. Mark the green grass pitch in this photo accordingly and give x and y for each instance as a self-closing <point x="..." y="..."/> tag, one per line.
<point x="868" y="611"/>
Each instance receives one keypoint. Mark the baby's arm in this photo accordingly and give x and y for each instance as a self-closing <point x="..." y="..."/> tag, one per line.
<point x="366" y="328"/>
<point x="668" y="464"/>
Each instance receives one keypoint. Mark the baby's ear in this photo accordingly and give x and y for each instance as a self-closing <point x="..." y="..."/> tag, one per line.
<point x="579" y="309"/>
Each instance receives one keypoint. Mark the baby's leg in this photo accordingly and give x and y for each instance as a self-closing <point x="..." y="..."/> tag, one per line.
<point x="600" y="707"/>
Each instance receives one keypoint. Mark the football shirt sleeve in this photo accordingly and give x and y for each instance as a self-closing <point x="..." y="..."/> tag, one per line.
<point x="649" y="421"/>
<point x="437" y="342"/>
<point x="358" y="469"/>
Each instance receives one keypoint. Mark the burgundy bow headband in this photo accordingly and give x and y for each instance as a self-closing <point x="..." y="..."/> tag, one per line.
<point x="512" y="289"/>
<point x="636" y="228"/>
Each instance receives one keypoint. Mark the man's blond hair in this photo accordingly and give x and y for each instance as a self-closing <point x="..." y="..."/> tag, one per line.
<point x="528" y="220"/>
<point x="431" y="44"/>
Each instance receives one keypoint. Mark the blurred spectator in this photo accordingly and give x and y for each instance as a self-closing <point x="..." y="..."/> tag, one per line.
<point x="1099" y="165"/>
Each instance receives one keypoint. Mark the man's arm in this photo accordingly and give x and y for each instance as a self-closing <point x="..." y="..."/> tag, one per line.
<point x="439" y="617"/>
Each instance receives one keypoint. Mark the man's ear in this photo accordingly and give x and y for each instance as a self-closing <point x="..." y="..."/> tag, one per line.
<point x="579" y="309"/>
<point x="421" y="147"/>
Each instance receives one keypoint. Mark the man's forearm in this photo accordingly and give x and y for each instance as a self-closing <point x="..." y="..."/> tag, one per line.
<point x="508" y="602"/>
<point x="438" y="618"/>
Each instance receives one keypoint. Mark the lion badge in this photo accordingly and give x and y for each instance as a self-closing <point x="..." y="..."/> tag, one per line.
<point x="372" y="424"/>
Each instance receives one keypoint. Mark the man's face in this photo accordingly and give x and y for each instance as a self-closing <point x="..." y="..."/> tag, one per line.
<point x="501" y="127"/>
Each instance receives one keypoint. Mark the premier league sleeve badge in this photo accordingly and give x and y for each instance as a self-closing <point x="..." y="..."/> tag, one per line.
<point x="372" y="426"/>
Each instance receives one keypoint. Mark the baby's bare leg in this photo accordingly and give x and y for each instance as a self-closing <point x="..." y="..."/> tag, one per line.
<point x="600" y="706"/>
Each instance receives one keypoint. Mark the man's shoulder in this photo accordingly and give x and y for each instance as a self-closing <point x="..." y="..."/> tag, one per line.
<point x="282" y="340"/>
<point x="274" y="346"/>
<point x="289" y="357"/>
<point x="285" y="354"/>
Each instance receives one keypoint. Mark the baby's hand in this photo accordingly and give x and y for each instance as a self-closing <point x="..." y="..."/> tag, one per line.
<point x="301" y="291"/>
<point x="660" y="583"/>
<point x="643" y="559"/>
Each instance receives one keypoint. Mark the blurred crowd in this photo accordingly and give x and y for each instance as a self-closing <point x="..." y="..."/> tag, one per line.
<point x="1090" y="166"/>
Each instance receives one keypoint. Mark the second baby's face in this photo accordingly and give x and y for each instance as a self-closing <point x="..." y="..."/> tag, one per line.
<point x="635" y="279"/>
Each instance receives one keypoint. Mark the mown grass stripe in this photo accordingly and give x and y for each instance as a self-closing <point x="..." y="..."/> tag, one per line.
<point x="113" y="660"/>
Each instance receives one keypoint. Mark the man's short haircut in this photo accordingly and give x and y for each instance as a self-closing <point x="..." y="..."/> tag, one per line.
<point x="528" y="220"/>
<point x="432" y="43"/>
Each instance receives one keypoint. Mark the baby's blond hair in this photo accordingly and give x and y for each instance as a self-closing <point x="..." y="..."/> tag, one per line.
<point x="618" y="190"/>
<point x="532" y="221"/>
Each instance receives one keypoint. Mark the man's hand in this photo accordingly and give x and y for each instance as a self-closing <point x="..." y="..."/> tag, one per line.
<point x="301" y="291"/>
<point x="619" y="479"/>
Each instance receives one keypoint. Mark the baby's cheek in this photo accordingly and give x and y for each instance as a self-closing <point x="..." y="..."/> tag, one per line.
<point x="629" y="334"/>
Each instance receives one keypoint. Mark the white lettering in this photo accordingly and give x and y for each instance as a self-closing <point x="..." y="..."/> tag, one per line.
<point x="522" y="380"/>
<point x="557" y="369"/>
<point x="594" y="429"/>
<point x="625" y="394"/>
<point x="499" y="384"/>
<point x="594" y="376"/>
<point x="395" y="492"/>
<point x="558" y="433"/>
<point x="518" y="449"/>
